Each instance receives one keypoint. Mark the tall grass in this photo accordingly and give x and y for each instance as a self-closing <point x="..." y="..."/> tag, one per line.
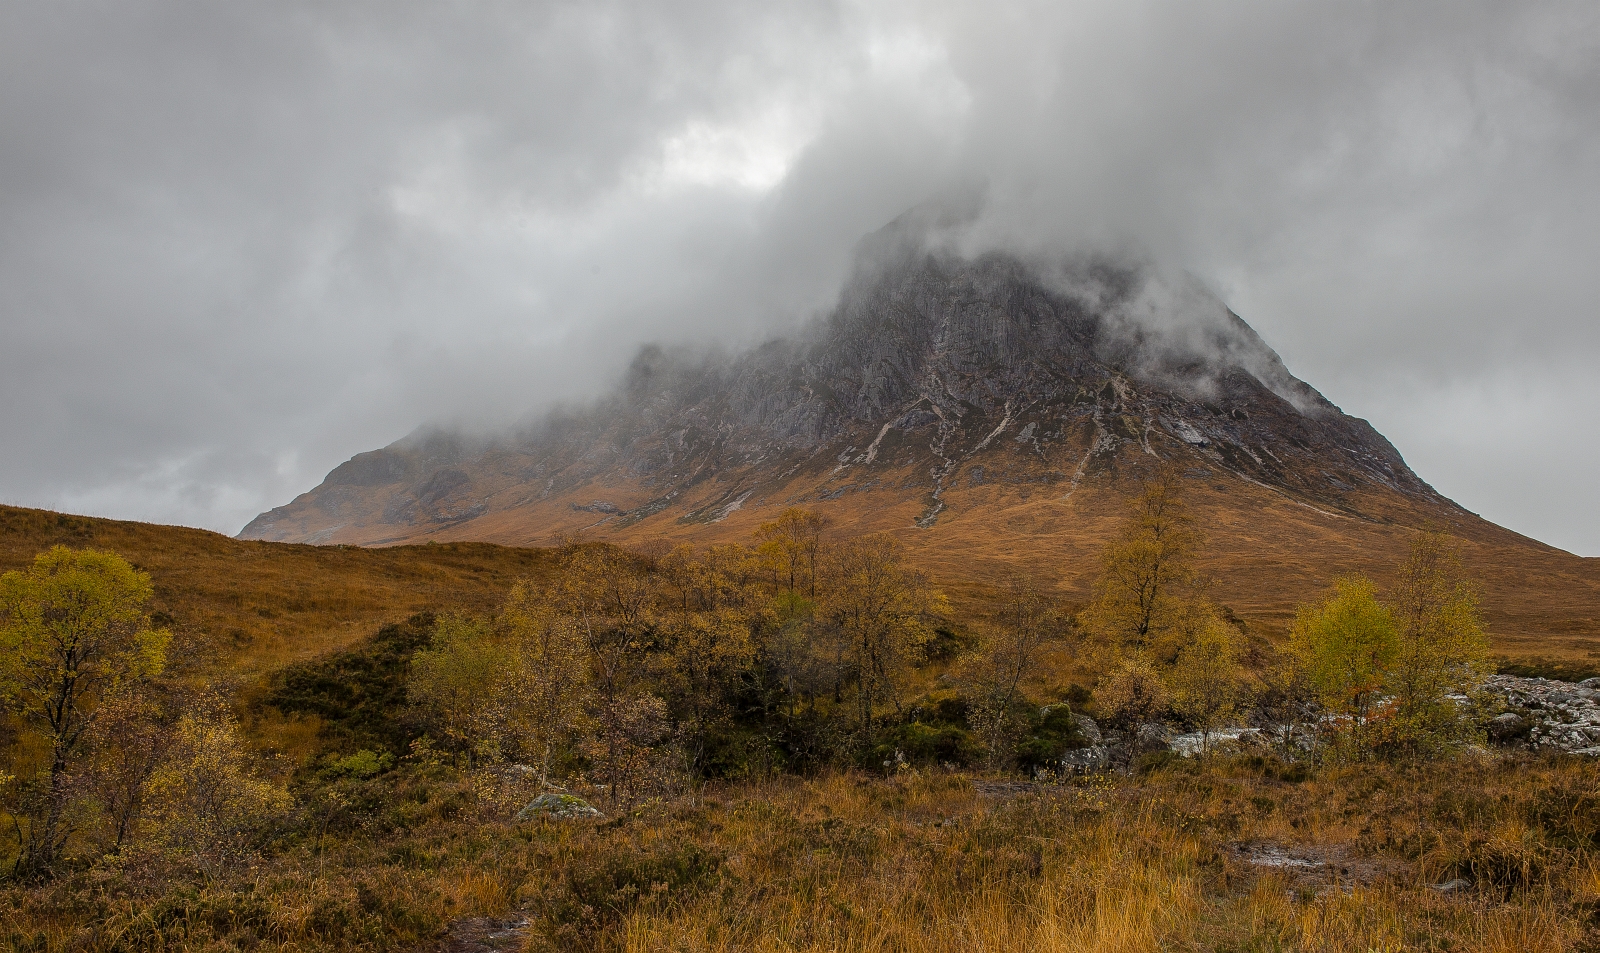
<point x="930" y="864"/>
<point x="934" y="861"/>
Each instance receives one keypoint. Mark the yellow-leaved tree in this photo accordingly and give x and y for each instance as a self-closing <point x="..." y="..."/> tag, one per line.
<point x="461" y="684"/>
<point x="1399" y="669"/>
<point x="1346" y="645"/>
<point x="1147" y="575"/>
<point x="73" y="633"/>
<point x="705" y="631"/>
<point x="790" y="547"/>
<point x="614" y="601"/>
<point x="515" y="687"/>
<point x="1441" y="650"/>
<point x="881" y="610"/>
<point x="1148" y="602"/>
<point x="1132" y="691"/>
<point x="1207" y="681"/>
<point x="205" y="801"/>
<point x="549" y="681"/>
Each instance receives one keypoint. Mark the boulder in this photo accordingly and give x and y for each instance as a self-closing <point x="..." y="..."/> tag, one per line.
<point x="560" y="806"/>
<point x="1507" y="727"/>
<point x="1087" y="728"/>
<point x="1086" y="760"/>
<point x="1151" y="737"/>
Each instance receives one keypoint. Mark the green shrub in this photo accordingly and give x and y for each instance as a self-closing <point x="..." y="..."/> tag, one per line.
<point x="946" y="644"/>
<point x="361" y="765"/>
<point x="1051" y="734"/>
<point x="918" y="743"/>
<point x="360" y="694"/>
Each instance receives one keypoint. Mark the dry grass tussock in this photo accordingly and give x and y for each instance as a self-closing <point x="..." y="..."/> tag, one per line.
<point x="919" y="861"/>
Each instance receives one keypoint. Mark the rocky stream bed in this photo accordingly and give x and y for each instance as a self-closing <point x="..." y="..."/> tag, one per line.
<point x="1540" y="714"/>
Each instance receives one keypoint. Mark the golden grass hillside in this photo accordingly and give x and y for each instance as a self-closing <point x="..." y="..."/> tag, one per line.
<point x="256" y="606"/>
<point x="1005" y="508"/>
<point x="253" y="607"/>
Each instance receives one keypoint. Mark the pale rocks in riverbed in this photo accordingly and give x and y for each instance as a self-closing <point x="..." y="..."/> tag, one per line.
<point x="1550" y="714"/>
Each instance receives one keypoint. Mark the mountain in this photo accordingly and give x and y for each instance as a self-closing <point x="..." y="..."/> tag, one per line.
<point x="991" y="411"/>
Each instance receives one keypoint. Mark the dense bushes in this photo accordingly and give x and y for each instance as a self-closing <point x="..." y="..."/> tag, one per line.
<point x="359" y="695"/>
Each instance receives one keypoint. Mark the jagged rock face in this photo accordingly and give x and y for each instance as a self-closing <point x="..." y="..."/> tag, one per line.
<point x="928" y="367"/>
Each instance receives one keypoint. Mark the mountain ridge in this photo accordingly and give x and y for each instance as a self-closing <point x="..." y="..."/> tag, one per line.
<point x="921" y="350"/>
<point x="991" y="411"/>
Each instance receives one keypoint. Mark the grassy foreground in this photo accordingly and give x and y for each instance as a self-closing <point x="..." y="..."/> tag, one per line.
<point x="1346" y="858"/>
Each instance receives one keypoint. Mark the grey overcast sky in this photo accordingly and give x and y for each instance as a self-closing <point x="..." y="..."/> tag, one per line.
<point x="240" y="242"/>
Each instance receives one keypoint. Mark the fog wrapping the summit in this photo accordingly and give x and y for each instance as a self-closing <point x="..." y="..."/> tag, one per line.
<point x="241" y="243"/>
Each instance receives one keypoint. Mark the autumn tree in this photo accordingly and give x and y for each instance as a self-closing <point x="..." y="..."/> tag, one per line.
<point x="1286" y="697"/>
<point x="791" y="546"/>
<point x="1441" y="649"/>
<point x="73" y="633"/>
<point x="1207" y="682"/>
<point x="548" y="684"/>
<point x="461" y="684"/>
<point x="615" y="602"/>
<point x="206" y="800"/>
<point x="1147" y="573"/>
<point x="806" y="658"/>
<point x="123" y="749"/>
<point x="881" y="610"/>
<point x="1347" y="646"/>
<point x="517" y="686"/>
<point x="706" y="632"/>
<point x="628" y="749"/>
<point x="992" y="676"/>
<point x="1132" y="691"/>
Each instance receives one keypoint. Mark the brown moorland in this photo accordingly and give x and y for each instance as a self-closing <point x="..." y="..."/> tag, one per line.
<point x="241" y="609"/>
<point x="257" y="606"/>
<point x="1266" y="551"/>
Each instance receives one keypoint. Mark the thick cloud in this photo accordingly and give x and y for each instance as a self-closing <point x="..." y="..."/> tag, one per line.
<point x="241" y="242"/>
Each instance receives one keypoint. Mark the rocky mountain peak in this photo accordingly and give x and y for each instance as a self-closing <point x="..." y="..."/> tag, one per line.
<point x="934" y="368"/>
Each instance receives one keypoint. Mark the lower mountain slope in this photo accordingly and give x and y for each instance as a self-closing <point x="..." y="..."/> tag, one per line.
<point x="992" y="413"/>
